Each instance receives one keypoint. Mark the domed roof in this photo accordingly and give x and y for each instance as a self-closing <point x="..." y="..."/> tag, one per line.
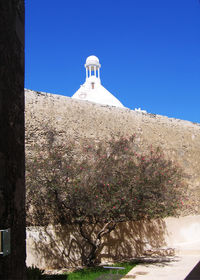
<point x="92" y="60"/>
<point x="92" y="90"/>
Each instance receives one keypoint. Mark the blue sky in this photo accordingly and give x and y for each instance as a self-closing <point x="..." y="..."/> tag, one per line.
<point x="149" y="50"/>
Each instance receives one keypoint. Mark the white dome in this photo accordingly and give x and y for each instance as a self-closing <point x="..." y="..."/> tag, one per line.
<point x="92" y="60"/>
<point x="92" y="90"/>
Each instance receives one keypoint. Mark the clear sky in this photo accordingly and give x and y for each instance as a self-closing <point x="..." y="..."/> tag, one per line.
<point x="149" y="50"/>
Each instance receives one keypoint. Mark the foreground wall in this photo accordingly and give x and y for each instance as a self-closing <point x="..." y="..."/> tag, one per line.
<point x="12" y="171"/>
<point x="81" y="119"/>
<point x="61" y="248"/>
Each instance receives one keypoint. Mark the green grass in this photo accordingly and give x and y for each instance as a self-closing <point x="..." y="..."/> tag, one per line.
<point x="101" y="273"/>
<point x="96" y="273"/>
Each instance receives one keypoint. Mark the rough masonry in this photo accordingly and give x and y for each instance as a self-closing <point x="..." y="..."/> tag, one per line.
<point x="78" y="119"/>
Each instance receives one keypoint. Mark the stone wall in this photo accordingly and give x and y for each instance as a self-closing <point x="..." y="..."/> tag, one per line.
<point x="81" y="119"/>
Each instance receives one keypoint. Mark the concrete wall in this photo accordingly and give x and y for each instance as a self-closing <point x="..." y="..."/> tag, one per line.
<point x="62" y="247"/>
<point x="81" y="119"/>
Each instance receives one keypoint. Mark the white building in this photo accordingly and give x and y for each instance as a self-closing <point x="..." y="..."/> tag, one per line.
<point x="92" y="90"/>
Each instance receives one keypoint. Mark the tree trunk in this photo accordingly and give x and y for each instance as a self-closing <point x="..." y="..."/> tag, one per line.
<point x="91" y="259"/>
<point x="12" y="183"/>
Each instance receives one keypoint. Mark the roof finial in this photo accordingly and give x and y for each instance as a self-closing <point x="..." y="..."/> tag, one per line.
<point x="92" y="66"/>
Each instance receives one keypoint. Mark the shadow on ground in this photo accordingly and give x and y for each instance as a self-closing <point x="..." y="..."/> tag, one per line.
<point x="110" y="277"/>
<point x="54" y="277"/>
<point x="195" y="273"/>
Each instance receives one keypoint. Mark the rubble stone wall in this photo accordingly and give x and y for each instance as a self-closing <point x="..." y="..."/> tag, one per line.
<point x="78" y="119"/>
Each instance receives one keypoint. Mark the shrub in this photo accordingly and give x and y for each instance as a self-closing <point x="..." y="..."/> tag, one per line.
<point x="107" y="184"/>
<point x="34" y="273"/>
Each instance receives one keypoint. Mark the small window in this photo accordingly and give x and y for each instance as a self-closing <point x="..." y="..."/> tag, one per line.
<point x="92" y="85"/>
